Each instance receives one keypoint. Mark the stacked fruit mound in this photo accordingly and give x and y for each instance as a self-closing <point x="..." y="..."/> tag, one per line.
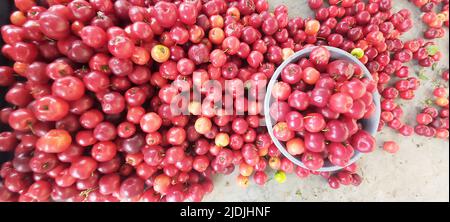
<point x="88" y="95"/>
<point x="323" y="109"/>
<point x="434" y="18"/>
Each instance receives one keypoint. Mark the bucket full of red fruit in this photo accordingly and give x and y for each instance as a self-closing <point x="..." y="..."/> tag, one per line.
<point x="322" y="109"/>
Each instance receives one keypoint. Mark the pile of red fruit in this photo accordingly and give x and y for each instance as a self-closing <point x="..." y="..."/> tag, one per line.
<point x="434" y="18"/>
<point x="318" y="103"/>
<point x="426" y="53"/>
<point x="433" y="121"/>
<point x="89" y="92"/>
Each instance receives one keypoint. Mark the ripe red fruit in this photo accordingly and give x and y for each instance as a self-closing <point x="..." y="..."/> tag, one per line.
<point x="166" y="14"/>
<point x="40" y="190"/>
<point x="260" y="178"/>
<point x="68" y="88"/>
<point x="355" y="88"/>
<point x="291" y="74"/>
<point x="113" y="103"/>
<point x="50" y="108"/>
<point x="282" y="132"/>
<point x="424" y="118"/>
<point x="93" y="36"/>
<point x="55" y="141"/>
<point x="131" y="187"/>
<point x="176" y="136"/>
<point x="150" y="122"/>
<point x="187" y="13"/>
<point x="341" y="70"/>
<point x="341" y="102"/>
<point x="363" y="142"/>
<point x="314" y="122"/>
<point x="104" y="151"/>
<point x="315" y="4"/>
<point x="22" y="120"/>
<point x="18" y="95"/>
<point x="121" y="47"/>
<point x="8" y="141"/>
<point x="333" y="182"/>
<point x="161" y="183"/>
<point x="336" y="131"/>
<point x="312" y="27"/>
<point x="83" y="168"/>
<point x="440" y="92"/>
<point x="281" y="91"/>
<point x="54" y="25"/>
<point x="310" y="75"/>
<point x="391" y="147"/>
<point x="315" y="142"/>
<point x="299" y="100"/>
<point x="344" y="177"/>
<point x="295" y="121"/>
<point x="295" y="146"/>
<point x="255" y="59"/>
<point x="312" y="161"/>
<point x="319" y="56"/>
<point x="141" y="30"/>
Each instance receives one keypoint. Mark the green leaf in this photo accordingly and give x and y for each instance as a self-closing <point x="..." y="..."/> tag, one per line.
<point x="433" y="68"/>
<point x="422" y="76"/>
<point x="432" y="50"/>
<point x="429" y="102"/>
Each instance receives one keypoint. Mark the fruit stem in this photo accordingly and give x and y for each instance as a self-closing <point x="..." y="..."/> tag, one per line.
<point x="86" y="193"/>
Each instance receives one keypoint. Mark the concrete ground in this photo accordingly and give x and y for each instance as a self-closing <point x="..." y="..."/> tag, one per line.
<point x="418" y="172"/>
